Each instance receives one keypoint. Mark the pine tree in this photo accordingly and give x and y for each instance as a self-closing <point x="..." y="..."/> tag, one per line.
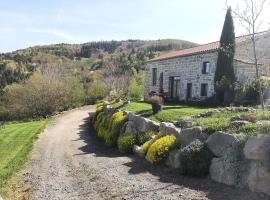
<point x="224" y="74"/>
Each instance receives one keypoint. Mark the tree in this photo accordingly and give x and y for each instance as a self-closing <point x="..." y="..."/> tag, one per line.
<point x="249" y="14"/>
<point x="224" y="74"/>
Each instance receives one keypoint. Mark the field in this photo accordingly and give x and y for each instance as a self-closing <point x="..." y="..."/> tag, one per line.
<point x="16" y="141"/>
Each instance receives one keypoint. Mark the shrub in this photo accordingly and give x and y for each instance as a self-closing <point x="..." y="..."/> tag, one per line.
<point x="99" y="107"/>
<point x="145" y="146"/>
<point x="159" y="150"/>
<point x="126" y="142"/>
<point x="136" y="88"/>
<point x="114" y="125"/>
<point x="196" y="159"/>
<point x="144" y="137"/>
<point x="98" y="90"/>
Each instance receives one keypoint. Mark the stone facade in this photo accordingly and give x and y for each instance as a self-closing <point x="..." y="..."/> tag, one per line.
<point x="188" y="70"/>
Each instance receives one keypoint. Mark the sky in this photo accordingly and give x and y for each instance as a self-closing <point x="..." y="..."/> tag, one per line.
<point x="37" y="22"/>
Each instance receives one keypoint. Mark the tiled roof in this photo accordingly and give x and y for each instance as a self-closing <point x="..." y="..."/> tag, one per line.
<point x="186" y="52"/>
<point x="198" y="49"/>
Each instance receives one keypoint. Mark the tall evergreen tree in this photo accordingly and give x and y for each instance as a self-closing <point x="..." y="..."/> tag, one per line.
<point x="224" y="74"/>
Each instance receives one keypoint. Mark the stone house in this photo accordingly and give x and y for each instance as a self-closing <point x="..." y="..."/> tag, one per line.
<point x="188" y="74"/>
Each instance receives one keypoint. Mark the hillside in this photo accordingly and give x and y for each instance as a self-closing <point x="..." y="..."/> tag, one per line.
<point x="17" y="65"/>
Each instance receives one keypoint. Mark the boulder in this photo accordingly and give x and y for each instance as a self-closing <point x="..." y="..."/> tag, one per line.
<point x="238" y="123"/>
<point x="191" y="134"/>
<point x="258" y="149"/>
<point x="258" y="179"/>
<point x="137" y="150"/>
<point x="131" y="116"/>
<point x="263" y="123"/>
<point x="222" y="172"/>
<point x="173" y="160"/>
<point x="151" y="125"/>
<point x="130" y="128"/>
<point x="219" y="142"/>
<point x="169" y="128"/>
<point x="232" y="168"/>
<point x="183" y="123"/>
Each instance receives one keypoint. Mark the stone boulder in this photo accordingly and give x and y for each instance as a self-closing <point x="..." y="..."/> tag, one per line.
<point x="238" y="123"/>
<point x="130" y="128"/>
<point x="169" y="128"/>
<point x="258" y="149"/>
<point x="184" y="123"/>
<point x="191" y="134"/>
<point x="142" y="124"/>
<point x="173" y="160"/>
<point x="232" y="168"/>
<point x="151" y="126"/>
<point x="259" y="178"/>
<point x="219" y="142"/>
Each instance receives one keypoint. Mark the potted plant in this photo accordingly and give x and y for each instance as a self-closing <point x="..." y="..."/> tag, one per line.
<point x="156" y="102"/>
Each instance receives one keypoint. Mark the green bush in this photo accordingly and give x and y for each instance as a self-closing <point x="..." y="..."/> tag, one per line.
<point x="136" y="88"/>
<point x="144" y="137"/>
<point x="98" y="90"/>
<point x="126" y="142"/>
<point x="196" y="159"/>
<point x="160" y="149"/>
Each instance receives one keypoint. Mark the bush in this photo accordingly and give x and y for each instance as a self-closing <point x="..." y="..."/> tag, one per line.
<point x="98" y="90"/>
<point x="126" y="142"/>
<point x="145" y="146"/>
<point x="136" y="88"/>
<point x="144" y="137"/>
<point x="108" y="127"/>
<point x="40" y="96"/>
<point x="159" y="150"/>
<point x="196" y="159"/>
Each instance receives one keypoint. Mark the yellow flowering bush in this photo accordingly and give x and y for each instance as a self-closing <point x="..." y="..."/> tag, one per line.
<point x="160" y="149"/>
<point x="145" y="146"/>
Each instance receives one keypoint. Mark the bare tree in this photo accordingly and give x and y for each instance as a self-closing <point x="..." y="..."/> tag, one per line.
<point x="249" y="14"/>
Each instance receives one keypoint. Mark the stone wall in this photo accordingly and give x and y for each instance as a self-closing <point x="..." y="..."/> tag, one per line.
<point x="235" y="162"/>
<point x="188" y="68"/>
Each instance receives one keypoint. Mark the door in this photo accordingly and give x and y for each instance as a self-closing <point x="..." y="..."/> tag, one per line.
<point x="189" y="91"/>
<point x="174" y="87"/>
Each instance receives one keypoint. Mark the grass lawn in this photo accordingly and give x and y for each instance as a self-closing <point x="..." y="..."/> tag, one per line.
<point x="217" y="122"/>
<point x="16" y="141"/>
<point x="170" y="112"/>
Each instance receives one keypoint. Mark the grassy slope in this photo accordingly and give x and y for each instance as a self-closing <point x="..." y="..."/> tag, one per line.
<point x="217" y="122"/>
<point x="16" y="141"/>
<point x="170" y="112"/>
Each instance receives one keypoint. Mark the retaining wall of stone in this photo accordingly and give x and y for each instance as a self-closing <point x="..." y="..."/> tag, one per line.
<point x="236" y="162"/>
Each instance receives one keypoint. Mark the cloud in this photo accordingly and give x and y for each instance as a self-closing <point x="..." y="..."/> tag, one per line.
<point x="58" y="33"/>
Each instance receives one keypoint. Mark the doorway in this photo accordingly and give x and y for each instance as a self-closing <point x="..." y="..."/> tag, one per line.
<point x="189" y="91"/>
<point x="174" y="87"/>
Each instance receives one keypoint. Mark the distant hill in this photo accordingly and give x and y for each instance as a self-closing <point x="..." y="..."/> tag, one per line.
<point x="18" y="65"/>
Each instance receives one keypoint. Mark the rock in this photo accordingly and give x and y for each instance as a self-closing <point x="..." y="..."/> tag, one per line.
<point x="173" y="159"/>
<point x="258" y="149"/>
<point x="238" y="123"/>
<point x="232" y="168"/>
<point x="169" y="128"/>
<point x="263" y="123"/>
<point x="151" y="125"/>
<point x="131" y="116"/>
<point x="137" y="150"/>
<point x="130" y="128"/>
<point x="221" y="172"/>
<point x="219" y="142"/>
<point x="205" y="114"/>
<point x="236" y="118"/>
<point x="259" y="178"/>
<point x="191" y="134"/>
<point x="183" y="123"/>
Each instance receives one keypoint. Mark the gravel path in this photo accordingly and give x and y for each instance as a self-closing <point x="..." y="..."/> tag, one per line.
<point x="68" y="162"/>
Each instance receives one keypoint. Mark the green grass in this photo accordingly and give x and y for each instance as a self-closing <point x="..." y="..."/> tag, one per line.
<point x="217" y="122"/>
<point x="16" y="141"/>
<point x="170" y="112"/>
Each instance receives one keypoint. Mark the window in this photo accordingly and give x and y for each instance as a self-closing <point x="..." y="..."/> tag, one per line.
<point x="154" y="76"/>
<point x="206" y="68"/>
<point x="204" y="89"/>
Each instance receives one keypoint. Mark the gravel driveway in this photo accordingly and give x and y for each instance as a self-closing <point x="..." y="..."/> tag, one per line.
<point x="69" y="162"/>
